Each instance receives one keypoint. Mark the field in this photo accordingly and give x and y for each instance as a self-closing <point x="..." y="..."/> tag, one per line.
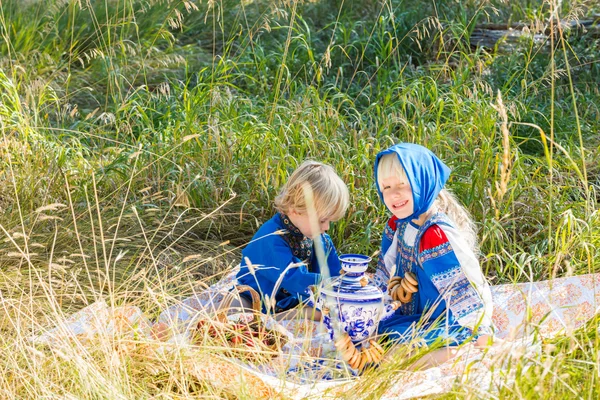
<point x="143" y="143"/>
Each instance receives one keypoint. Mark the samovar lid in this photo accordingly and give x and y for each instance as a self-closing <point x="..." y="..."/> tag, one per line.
<point x="348" y="286"/>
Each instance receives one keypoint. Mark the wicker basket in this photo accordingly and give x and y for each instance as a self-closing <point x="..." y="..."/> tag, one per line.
<point x="230" y="296"/>
<point x="224" y="326"/>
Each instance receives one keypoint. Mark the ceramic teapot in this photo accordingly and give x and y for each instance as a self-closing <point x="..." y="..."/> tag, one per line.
<point x="353" y="302"/>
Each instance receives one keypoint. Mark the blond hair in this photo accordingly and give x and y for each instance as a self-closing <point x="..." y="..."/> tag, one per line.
<point x="389" y="165"/>
<point x="446" y="202"/>
<point x="330" y="192"/>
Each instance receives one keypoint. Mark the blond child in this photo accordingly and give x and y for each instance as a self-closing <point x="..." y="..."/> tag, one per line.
<point x="282" y="258"/>
<point x="427" y="258"/>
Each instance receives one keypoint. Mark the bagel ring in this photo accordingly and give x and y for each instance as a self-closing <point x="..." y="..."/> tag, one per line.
<point x="408" y="287"/>
<point x="411" y="278"/>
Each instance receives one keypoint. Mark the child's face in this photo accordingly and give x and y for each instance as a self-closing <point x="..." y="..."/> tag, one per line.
<point x="302" y="221"/>
<point x="397" y="196"/>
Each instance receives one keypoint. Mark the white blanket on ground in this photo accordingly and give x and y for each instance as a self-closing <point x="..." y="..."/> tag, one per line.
<point x="553" y="307"/>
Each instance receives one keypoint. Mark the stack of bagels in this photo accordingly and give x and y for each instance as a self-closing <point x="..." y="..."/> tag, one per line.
<point x="359" y="359"/>
<point x="402" y="289"/>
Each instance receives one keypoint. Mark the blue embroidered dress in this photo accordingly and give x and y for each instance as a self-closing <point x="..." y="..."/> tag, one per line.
<point x="276" y="245"/>
<point x="453" y="302"/>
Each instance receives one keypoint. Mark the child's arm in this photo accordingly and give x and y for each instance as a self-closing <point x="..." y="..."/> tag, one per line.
<point x="270" y="257"/>
<point x="455" y="272"/>
<point x="299" y="283"/>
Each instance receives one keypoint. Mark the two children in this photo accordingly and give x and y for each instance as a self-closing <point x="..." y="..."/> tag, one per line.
<point x="427" y="258"/>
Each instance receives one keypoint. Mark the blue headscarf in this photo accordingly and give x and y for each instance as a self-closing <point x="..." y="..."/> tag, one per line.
<point x="426" y="174"/>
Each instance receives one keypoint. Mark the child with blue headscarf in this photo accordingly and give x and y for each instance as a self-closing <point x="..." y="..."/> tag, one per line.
<point x="427" y="259"/>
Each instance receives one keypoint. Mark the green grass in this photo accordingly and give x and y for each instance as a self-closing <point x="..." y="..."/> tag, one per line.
<point x="166" y="128"/>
